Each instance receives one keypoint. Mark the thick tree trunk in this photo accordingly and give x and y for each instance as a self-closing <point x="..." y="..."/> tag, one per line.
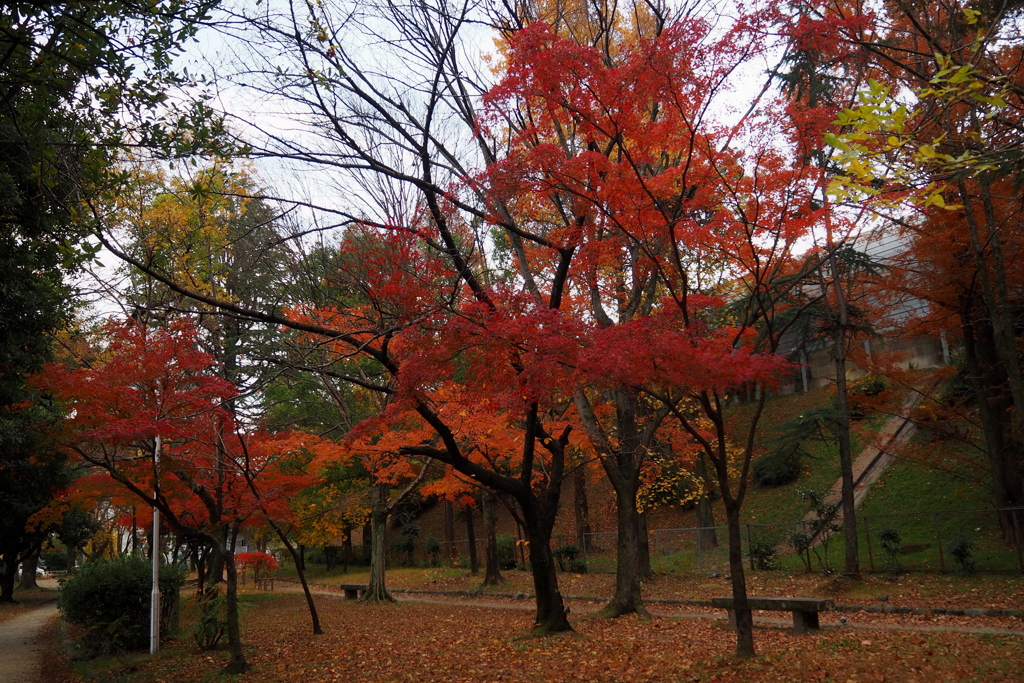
<point x="493" y="575"/>
<point x="237" y="663"/>
<point x="994" y="405"/>
<point x="7" y="577"/>
<point x="377" y="590"/>
<point x="644" y="547"/>
<point x="628" y="565"/>
<point x="744" y="619"/>
<point x="474" y="561"/>
<point x="551" y="613"/>
<point x="28" y="570"/>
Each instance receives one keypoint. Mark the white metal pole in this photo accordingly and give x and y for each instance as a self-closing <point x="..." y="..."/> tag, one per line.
<point x="154" y="598"/>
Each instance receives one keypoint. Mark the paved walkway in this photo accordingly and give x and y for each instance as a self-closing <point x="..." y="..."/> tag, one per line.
<point x="20" y="649"/>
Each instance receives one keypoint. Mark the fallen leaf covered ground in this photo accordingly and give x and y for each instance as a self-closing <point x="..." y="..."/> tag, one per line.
<point x="431" y="638"/>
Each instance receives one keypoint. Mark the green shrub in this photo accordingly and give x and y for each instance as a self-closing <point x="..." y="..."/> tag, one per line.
<point x="569" y="559"/>
<point x="892" y="545"/>
<point x="55" y="560"/>
<point x="777" y="468"/>
<point x="962" y="552"/>
<point x="506" y="551"/>
<point x="763" y="552"/>
<point x="432" y="544"/>
<point x="212" y="623"/>
<point x="111" y="599"/>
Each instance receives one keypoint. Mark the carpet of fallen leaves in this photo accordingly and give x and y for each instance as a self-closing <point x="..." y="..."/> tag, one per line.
<point x="435" y="640"/>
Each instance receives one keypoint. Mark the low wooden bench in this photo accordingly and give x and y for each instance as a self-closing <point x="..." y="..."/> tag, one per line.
<point x="264" y="583"/>
<point x="353" y="590"/>
<point x="805" y="610"/>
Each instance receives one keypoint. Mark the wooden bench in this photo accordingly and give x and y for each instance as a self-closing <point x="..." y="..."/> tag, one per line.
<point x="353" y="590"/>
<point x="805" y="610"/>
<point x="264" y="583"/>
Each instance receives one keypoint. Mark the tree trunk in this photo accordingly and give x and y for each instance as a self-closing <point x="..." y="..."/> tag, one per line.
<point x="300" y="561"/>
<point x="237" y="663"/>
<point x="367" y="541"/>
<point x="643" y="536"/>
<point x="377" y="590"/>
<point x="493" y="575"/>
<point x="449" y="532"/>
<point x="582" y="510"/>
<point x="551" y="613"/>
<point x="707" y="537"/>
<point x="28" y="570"/>
<point x="10" y="570"/>
<point x="852" y="559"/>
<point x="628" y="566"/>
<point x="744" y="618"/>
<point x="994" y="405"/>
<point x="346" y="549"/>
<point x="474" y="561"/>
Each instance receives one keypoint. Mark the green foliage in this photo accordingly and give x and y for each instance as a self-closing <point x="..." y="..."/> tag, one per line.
<point x="782" y="465"/>
<point x="212" y="623"/>
<point x="777" y="468"/>
<point x="801" y="542"/>
<point x="892" y="545"/>
<point x="570" y="559"/>
<point x="407" y="540"/>
<point x="763" y="552"/>
<point x="506" y="551"/>
<point x="821" y="526"/>
<point x="432" y="544"/>
<point x="869" y="385"/>
<point x="962" y="552"/>
<point x="111" y="598"/>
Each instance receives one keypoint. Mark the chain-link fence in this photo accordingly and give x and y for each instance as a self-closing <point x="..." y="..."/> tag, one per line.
<point x="965" y="540"/>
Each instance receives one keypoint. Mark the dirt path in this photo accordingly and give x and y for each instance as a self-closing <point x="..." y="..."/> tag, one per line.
<point x="20" y="649"/>
<point x="861" y="622"/>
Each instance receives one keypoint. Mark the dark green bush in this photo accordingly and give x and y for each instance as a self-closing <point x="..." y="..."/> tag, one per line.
<point x="111" y="599"/>
<point x="869" y="385"/>
<point x="569" y="559"/>
<point x="432" y="544"/>
<point x="763" y="552"/>
<point x="506" y="551"/>
<point x="55" y="560"/>
<point x="892" y="546"/>
<point x="777" y="468"/>
<point x="962" y="552"/>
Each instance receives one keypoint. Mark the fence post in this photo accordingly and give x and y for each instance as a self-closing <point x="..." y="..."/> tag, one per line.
<point x="750" y="549"/>
<point x="1019" y="539"/>
<point x="867" y="535"/>
<point x="938" y="536"/>
<point x="700" y="559"/>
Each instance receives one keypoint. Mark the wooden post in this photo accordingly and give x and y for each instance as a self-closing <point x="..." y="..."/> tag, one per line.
<point x="867" y="535"/>
<point x="750" y="549"/>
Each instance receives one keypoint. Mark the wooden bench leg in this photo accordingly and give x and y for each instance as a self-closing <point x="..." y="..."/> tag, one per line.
<point x="351" y="594"/>
<point x="732" y="619"/>
<point x="805" y="621"/>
